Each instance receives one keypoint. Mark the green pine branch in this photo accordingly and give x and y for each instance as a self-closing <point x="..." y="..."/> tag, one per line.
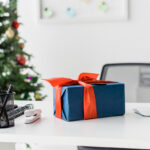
<point x="13" y="71"/>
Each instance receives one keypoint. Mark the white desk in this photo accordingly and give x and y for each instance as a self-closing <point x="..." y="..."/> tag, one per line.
<point x="129" y="131"/>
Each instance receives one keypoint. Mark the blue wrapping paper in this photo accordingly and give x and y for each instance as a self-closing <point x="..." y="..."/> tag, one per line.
<point x="110" y="101"/>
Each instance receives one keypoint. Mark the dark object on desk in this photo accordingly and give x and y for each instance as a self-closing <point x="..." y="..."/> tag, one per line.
<point x="6" y="103"/>
<point x="15" y="113"/>
<point x="9" y="111"/>
<point x="8" y="108"/>
<point x="136" y="77"/>
<point x="104" y="148"/>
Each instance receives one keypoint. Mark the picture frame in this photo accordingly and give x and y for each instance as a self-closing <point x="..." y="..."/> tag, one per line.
<point x="117" y="11"/>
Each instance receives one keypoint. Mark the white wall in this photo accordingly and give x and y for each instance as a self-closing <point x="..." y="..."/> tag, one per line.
<point x="67" y="50"/>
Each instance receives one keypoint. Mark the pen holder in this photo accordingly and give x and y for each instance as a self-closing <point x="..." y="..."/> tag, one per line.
<point x="5" y="121"/>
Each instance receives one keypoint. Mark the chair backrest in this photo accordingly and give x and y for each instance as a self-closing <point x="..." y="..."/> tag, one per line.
<point x="136" y="77"/>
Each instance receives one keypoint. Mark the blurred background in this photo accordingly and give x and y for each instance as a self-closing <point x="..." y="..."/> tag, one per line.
<point x="68" y="49"/>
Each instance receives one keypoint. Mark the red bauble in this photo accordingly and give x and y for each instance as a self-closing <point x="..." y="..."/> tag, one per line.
<point x="21" y="60"/>
<point x="15" y="24"/>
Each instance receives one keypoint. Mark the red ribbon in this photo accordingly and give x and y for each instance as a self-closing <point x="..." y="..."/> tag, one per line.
<point x="89" y="101"/>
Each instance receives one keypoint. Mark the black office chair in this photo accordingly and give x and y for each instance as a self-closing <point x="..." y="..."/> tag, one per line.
<point x="103" y="148"/>
<point x="136" y="77"/>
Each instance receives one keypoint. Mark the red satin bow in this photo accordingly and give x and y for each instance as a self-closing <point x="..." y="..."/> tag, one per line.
<point x="89" y="101"/>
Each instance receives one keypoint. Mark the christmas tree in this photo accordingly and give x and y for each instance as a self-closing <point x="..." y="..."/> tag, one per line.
<point x="15" y="65"/>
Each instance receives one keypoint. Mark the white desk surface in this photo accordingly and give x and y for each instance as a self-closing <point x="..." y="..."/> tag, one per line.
<point x="129" y="131"/>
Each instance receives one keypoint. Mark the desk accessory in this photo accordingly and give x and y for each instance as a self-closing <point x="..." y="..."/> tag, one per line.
<point x="6" y="101"/>
<point x="32" y="112"/>
<point x="32" y="115"/>
<point x="9" y="111"/>
<point x="12" y="114"/>
<point x="143" y="111"/>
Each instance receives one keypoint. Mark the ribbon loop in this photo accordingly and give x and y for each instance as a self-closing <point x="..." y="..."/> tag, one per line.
<point x="87" y="76"/>
<point x="61" y="81"/>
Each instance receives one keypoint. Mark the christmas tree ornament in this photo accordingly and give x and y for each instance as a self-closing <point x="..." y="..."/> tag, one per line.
<point x="8" y="73"/>
<point x="48" y="12"/>
<point x="29" y="77"/>
<point x="70" y="12"/>
<point x="26" y="80"/>
<point x="12" y="48"/>
<point x="17" y="37"/>
<point x="21" y="45"/>
<point x="38" y="96"/>
<point x="15" y="24"/>
<point x="103" y="6"/>
<point x="1" y="50"/>
<point x="9" y="33"/>
<point x="21" y="60"/>
<point x="4" y="74"/>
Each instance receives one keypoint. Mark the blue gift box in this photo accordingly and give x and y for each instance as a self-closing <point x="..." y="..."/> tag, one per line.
<point x="110" y="101"/>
